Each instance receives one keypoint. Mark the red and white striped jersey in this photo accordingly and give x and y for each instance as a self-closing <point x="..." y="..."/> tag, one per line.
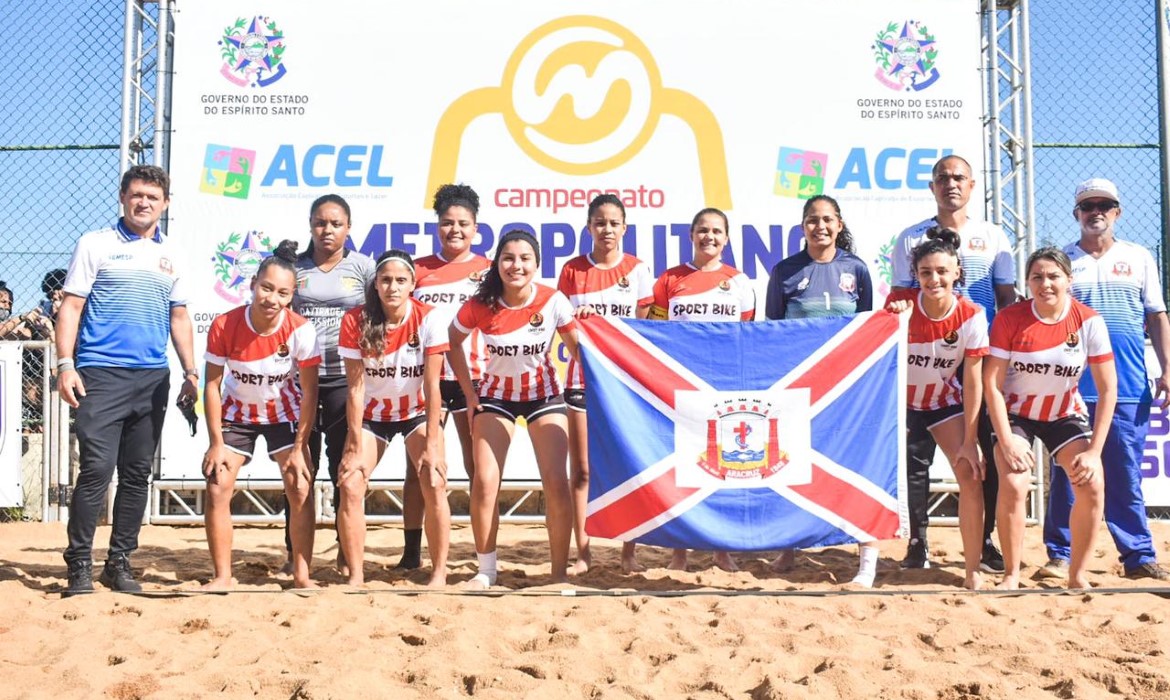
<point x="1045" y="360"/>
<point x="618" y="291"/>
<point x="519" y="342"/>
<point x="394" y="379"/>
<point x="686" y="293"/>
<point x="447" y="285"/>
<point x="259" y="381"/>
<point x="936" y="350"/>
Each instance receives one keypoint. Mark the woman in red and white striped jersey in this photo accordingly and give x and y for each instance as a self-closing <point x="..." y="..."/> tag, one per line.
<point x="1039" y="349"/>
<point x="257" y="350"/>
<point x="517" y="318"/>
<point x="705" y="289"/>
<point x="946" y="332"/>
<point x="446" y="280"/>
<point x="608" y="282"/>
<point x="393" y="348"/>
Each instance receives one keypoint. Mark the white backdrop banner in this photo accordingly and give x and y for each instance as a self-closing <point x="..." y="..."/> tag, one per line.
<point x="11" y="490"/>
<point x="747" y="106"/>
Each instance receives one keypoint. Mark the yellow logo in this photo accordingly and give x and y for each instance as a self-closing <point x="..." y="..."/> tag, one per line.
<point x="582" y="95"/>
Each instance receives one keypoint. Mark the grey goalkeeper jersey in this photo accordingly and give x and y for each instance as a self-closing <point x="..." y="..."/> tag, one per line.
<point x="324" y="297"/>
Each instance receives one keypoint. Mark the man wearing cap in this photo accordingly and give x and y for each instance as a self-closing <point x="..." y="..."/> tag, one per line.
<point x="989" y="278"/>
<point x="1120" y="281"/>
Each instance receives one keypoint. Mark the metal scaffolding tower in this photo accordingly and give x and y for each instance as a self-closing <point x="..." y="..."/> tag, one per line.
<point x="146" y="68"/>
<point x="1007" y="122"/>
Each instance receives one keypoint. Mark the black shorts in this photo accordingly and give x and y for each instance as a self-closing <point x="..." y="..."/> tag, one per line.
<point x="919" y="423"/>
<point x="452" y="395"/>
<point x="575" y="399"/>
<point x="241" y="437"/>
<point x="386" y="430"/>
<point x="529" y="410"/>
<point x="1054" y="434"/>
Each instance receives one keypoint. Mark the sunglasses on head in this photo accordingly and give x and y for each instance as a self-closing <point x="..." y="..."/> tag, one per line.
<point x="1103" y="207"/>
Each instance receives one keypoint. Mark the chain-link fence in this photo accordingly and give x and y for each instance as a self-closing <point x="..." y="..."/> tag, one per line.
<point x="1095" y="113"/>
<point x="59" y="169"/>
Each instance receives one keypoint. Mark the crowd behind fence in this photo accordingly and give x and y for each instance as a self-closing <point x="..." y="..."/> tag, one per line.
<point x="1094" y="114"/>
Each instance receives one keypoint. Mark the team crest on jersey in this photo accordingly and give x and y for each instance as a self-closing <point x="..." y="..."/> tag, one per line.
<point x="802" y="285"/>
<point x="1072" y="340"/>
<point x="413" y="340"/>
<point x="976" y="243"/>
<point x="725" y="285"/>
<point x="847" y="283"/>
<point x="476" y="276"/>
<point x="282" y="350"/>
<point x="536" y="320"/>
<point x="166" y="266"/>
<point x="351" y="284"/>
<point x="742" y="441"/>
<point x="623" y="282"/>
<point x="951" y="338"/>
<point x="1122" y="269"/>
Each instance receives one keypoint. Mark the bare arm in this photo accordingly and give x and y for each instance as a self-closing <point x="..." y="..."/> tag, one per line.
<point x="1019" y="456"/>
<point x="433" y="454"/>
<point x="355" y="378"/>
<point x="1005" y="295"/>
<point x="216" y="455"/>
<point x="183" y="340"/>
<point x="458" y="361"/>
<point x="972" y="401"/>
<point x="572" y="346"/>
<point x="69" y="384"/>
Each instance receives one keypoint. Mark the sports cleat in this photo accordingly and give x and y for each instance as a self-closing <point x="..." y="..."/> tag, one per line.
<point x="1054" y="569"/>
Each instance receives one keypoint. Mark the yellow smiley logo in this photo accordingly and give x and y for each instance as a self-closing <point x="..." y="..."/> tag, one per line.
<point x="582" y="95"/>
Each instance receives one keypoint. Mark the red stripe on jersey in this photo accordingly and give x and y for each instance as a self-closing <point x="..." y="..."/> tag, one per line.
<point x="509" y="388"/>
<point x="270" y="410"/>
<point x="927" y="394"/>
<point x="1046" y="408"/>
<point x="525" y="385"/>
<point x="371" y="406"/>
<point x="1026" y="406"/>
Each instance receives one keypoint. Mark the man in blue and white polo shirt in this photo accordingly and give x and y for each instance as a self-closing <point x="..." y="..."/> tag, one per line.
<point x="989" y="278"/>
<point x="1120" y="281"/>
<point x="124" y="296"/>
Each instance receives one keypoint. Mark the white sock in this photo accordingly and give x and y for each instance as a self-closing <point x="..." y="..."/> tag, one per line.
<point x="487" y="566"/>
<point x="867" y="566"/>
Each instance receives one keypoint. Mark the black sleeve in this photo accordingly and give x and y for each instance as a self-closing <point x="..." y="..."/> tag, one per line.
<point x="864" y="287"/>
<point x="775" y="304"/>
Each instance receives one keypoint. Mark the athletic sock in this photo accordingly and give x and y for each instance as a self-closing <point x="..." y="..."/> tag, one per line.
<point x="487" y="567"/>
<point x="867" y="566"/>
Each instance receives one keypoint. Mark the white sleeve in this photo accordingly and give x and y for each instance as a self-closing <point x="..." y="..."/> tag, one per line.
<point x="82" y="268"/>
<point x="975" y="332"/>
<point x="747" y="294"/>
<point x="562" y="310"/>
<point x="900" y="261"/>
<point x="434" y="330"/>
<point x="1003" y="268"/>
<point x="643" y="282"/>
<point x="308" y="346"/>
<point x="1151" y="284"/>
<point x="1096" y="337"/>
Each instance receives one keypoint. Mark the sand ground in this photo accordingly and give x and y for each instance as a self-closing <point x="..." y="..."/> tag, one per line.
<point x="660" y="634"/>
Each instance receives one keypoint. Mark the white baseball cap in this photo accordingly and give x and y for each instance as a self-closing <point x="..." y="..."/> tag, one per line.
<point x="1097" y="187"/>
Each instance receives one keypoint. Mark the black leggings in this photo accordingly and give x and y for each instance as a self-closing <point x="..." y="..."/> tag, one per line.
<point x="920" y="449"/>
<point x="331" y="424"/>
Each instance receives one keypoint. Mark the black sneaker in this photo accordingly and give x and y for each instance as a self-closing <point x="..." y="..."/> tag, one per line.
<point x="992" y="560"/>
<point x="916" y="555"/>
<point x="80" y="578"/>
<point x="118" y="576"/>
